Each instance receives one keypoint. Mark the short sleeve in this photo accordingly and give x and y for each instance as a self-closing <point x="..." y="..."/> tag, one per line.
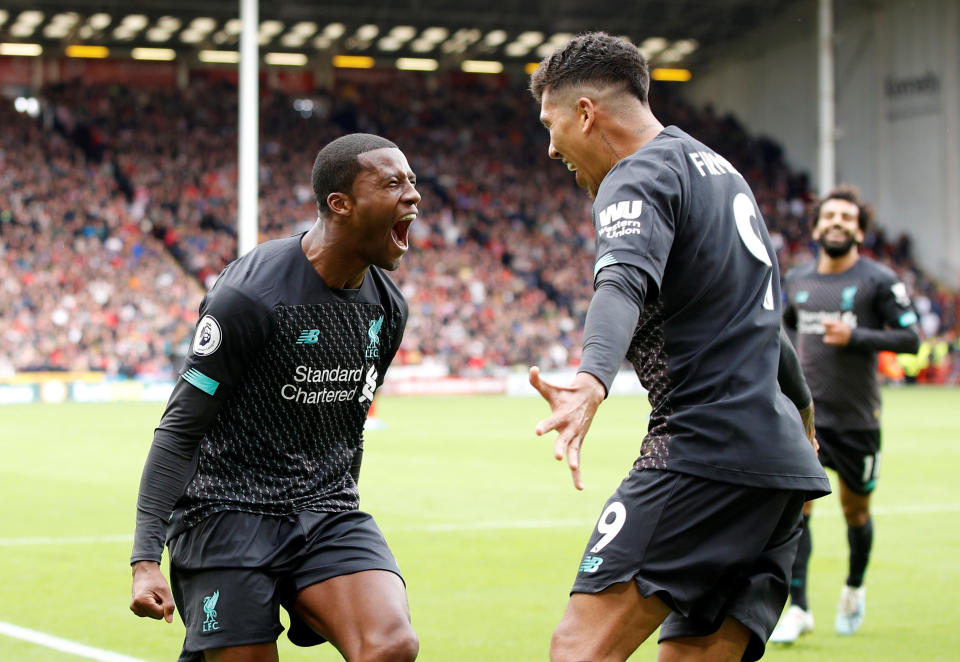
<point x="635" y="215"/>
<point x="232" y="329"/>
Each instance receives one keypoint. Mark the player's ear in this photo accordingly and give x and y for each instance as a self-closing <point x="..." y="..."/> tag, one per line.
<point x="586" y="113"/>
<point x="340" y="203"/>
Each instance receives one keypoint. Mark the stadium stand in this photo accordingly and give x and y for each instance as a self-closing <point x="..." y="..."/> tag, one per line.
<point x="117" y="209"/>
<point x="82" y="286"/>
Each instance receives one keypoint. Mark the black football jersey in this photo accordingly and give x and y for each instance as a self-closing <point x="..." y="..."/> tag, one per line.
<point x="296" y="365"/>
<point x="706" y="346"/>
<point x="843" y="380"/>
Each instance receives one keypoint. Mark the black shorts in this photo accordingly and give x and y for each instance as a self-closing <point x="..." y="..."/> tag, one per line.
<point x="707" y="549"/>
<point x="231" y="573"/>
<point x="853" y="454"/>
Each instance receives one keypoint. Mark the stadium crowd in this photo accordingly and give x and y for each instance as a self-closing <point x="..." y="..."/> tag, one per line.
<point x="117" y="210"/>
<point x="82" y="286"/>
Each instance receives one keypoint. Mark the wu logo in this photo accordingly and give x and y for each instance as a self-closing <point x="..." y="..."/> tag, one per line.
<point x="373" y="349"/>
<point x="369" y="385"/>
<point x="309" y="337"/>
<point x="209" y="608"/>
<point x="628" y="209"/>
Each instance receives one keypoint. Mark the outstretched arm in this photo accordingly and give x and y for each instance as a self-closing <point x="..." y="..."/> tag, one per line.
<point x="608" y="330"/>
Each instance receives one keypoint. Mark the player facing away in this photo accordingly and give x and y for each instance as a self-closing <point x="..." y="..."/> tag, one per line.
<point x="252" y="475"/>
<point x="700" y="535"/>
<point x="844" y="308"/>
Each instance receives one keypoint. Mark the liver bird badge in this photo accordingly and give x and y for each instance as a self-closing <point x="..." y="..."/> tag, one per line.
<point x="374" y="333"/>
<point x="209" y="608"/>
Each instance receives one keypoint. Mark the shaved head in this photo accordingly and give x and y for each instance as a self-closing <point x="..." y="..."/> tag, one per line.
<point x="336" y="165"/>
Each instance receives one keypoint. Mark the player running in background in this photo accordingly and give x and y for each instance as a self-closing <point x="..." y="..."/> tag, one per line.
<point x="701" y="534"/>
<point x="844" y="308"/>
<point x="252" y="476"/>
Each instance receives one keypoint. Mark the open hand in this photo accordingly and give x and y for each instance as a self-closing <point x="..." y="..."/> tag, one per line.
<point x="572" y="410"/>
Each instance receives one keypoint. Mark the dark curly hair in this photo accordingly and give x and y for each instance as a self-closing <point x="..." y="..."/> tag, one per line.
<point x="593" y="57"/>
<point x="336" y="165"/>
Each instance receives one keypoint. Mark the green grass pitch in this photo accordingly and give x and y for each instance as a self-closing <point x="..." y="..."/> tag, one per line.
<point x="485" y="524"/>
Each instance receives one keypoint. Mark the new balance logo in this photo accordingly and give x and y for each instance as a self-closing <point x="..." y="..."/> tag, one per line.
<point x="590" y="563"/>
<point x="309" y="337"/>
<point x="369" y="385"/>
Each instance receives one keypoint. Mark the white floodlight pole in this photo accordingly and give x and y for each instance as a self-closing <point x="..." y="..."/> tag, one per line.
<point x="826" y="98"/>
<point x="248" y="135"/>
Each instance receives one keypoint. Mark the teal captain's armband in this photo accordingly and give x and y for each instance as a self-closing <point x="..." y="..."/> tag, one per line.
<point x="604" y="261"/>
<point x="908" y="318"/>
<point x="206" y="384"/>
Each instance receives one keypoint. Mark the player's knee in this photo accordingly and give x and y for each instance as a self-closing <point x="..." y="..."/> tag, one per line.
<point x="401" y="649"/>
<point x="856" y="515"/>
<point x="399" y="645"/>
<point x="857" y="520"/>
<point x="562" y="643"/>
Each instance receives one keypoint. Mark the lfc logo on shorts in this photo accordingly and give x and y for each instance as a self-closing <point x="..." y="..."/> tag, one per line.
<point x="209" y="608"/>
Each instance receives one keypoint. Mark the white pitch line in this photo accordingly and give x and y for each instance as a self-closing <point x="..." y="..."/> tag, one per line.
<point x="920" y="509"/>
<point x="502" y="525"/>
<point x="63" y="645"/>
<point x="78" y="540"/>
<point x="906" y="509"/>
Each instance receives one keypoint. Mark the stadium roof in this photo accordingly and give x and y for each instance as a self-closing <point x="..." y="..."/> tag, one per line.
<point x="671" y="32"/>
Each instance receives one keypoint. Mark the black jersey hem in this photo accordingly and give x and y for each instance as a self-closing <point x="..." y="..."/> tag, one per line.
<point x="814" y="486"/>
<point x="183" y="519"/>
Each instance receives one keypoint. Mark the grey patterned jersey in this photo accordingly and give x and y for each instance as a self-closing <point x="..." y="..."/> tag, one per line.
<point x="706" y="346"/>
<point x="296" y="365"/>
<point x="870" y="299"/>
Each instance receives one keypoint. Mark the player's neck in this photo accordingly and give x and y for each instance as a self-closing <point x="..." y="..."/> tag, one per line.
<point x="623" y="126"/>
<point x="837" y="265"/>
<point x="642" y="129"/>
<point x="328" y="260"/>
